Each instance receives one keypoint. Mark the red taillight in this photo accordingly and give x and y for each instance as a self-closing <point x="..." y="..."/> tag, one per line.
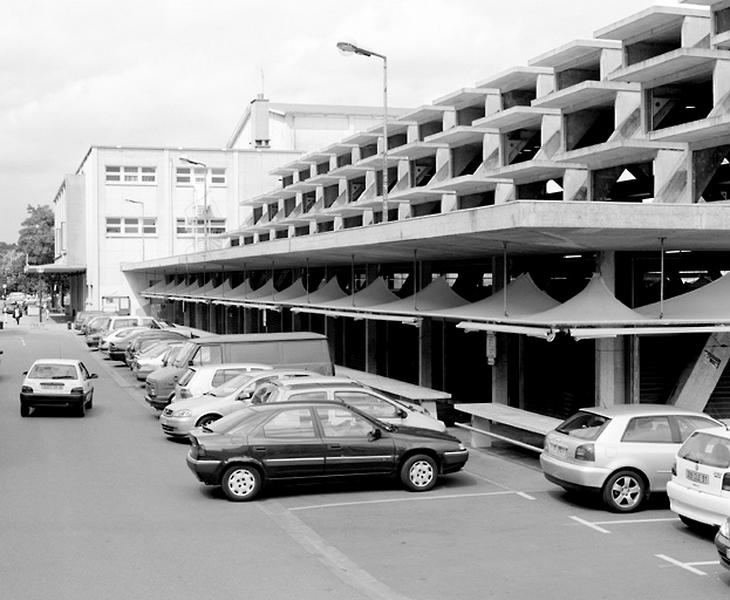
<point x="726" y="482"/>
<point x="77" y="390"/>
<point x="585" y="452"/>
<point x="185" y="393"/>
<point x="26" y="389"/>
<point x="674" y="468"/>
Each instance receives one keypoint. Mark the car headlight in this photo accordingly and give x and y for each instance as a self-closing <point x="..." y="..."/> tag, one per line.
<point x="183" y="412"/>
<point x="26" y="389"/>
<point x="725" y="528"/>
<point x="462" y="447"/>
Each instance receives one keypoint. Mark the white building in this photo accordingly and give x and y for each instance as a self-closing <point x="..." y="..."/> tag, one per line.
<point x="128" y="204"/>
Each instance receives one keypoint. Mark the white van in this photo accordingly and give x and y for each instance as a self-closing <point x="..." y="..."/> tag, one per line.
<point x="103" y="326"/>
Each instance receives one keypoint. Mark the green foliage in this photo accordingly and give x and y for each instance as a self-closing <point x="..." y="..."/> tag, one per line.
<point x="35" y="237"/>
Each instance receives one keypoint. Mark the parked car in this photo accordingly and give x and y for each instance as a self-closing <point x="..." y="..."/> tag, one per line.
<point x="153" y="358"/>
<point x="198" y="380"/>
<point x="625" y="452"/>
<point x="84" y="315"/>
<point x="350" y="392"/>
<point x="699" y="491"/>
<point x="309" y="441"/>
<point x="116" y="336"/>
<point x="178" y="418"/>
<point x="722" y="543"/>
<point x="57" y="382"/>
<point x="295" y="350"/>
<point x="102" y="326"/>
<point x="129" y="348"/>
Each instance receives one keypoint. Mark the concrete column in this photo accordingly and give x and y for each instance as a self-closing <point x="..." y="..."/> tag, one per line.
<point x="610" y="357"/>
<point x="720" y="88"/>
<point x="448" y="202"/>
<point x="504" y="192"/>
<point x="611" y="59"/>
<point x="545" y="84"/>
<point x="449" y="119"/>
<point x="491" y="155"/>
<point x="697" y="383"/>
<point x="371" y="346"/>
<point x="551" y="137"/>
<point x="425" y="344"/>
<point x="695" y="32"/>
<point x="492" y="103"/>
<point x="500" y="370"/>
<point x="576" y="185"/>
<point x="672" y="175"/>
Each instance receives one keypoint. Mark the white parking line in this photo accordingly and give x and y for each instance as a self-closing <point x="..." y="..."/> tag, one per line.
<point x="687" y="566"/>
<point x="499" y="485"/>
<point x="597" y="524"/>
<point x="409" y="499"/>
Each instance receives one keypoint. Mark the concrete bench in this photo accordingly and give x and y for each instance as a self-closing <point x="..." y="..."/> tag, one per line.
<point x="426" y="397"/>
<point x="490" y="421"/>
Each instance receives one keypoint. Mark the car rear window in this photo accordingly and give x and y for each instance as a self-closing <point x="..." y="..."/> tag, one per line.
<point x="584" y="425"/>
<point x="52" y="371"/>
<point x="706" y="449"/>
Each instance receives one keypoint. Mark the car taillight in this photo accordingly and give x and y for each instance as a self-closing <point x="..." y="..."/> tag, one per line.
<point x="185" y="393"/>
<point x="77" y="390"/>
<point x="674" y="468"/>
<point x="585" y="452"/>
<point x="26" y="389"/>
<point x="726" y="482"/>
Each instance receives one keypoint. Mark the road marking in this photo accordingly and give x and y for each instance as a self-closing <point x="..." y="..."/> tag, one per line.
<point x="333" y="559"/>
<point x="623" y="521"/>
<point x="409" y="499"/>
<point x="687" y="566"/>
<point x="22" y="340"/>
<point x="589" y="524"/>
<point x="499" y="485"/>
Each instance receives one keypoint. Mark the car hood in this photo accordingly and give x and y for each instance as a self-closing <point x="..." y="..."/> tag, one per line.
<point x="163" y="374"/>
<point x="200" y="400"/>
<point x="407" y="431"/>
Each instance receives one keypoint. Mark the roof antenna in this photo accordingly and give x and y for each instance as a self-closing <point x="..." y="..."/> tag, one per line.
<point x="262" y="94"/>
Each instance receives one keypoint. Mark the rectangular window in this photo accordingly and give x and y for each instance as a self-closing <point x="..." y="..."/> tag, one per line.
<point x="130" y="226"/>
<point x="188" y="176"/>
<point x="186" y="227"/>
<point x="131" y="175"/>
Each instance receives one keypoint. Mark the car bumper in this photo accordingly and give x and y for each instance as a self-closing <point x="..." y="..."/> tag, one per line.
<point x="36" y="400"/>
<point x="156" y="402"/>
<point x="454" y="461"/>
<point x="697" y="505"/>
<point x="723" y="549"/>
<point x="205" y="470"/>
<point x="116" y="354"/>
<point x="176" y="426"/>
<point x="572" y="476"/>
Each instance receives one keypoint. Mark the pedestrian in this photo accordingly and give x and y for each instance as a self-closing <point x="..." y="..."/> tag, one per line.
<point x="17" y="313"/>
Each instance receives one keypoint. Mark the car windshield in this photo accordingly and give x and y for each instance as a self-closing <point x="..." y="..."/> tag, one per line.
<point x="231" y="386"/>
<point x="52" y="371"/>
<point x="584" y="425"/>
<point x="230" y="421"/>
<point x="154" y="351"/>
<point x="706" y="449"/>
<point x="182" y="356"/>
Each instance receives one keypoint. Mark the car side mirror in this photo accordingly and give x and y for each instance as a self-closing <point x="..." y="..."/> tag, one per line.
<point x="93" y="376"/>
<point x="25" y="372"/>
<point x="402" y="414"/>
<point x="375" y="434"/>
<point x="244" y="396"/>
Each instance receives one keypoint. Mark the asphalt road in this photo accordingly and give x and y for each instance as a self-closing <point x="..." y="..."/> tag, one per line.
<point x="105" y="508"/>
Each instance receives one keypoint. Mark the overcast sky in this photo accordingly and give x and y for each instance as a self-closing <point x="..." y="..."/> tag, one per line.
<point x="76" y="73"/>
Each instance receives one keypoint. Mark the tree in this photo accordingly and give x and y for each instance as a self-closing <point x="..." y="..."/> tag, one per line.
<point x="35" y="238"/>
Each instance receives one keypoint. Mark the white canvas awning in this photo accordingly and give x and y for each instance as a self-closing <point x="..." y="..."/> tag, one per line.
<point x="376" y="293"/>
<point x="326" y="292"/>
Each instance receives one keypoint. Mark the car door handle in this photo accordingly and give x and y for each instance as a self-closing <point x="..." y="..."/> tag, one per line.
<point x="335" y="447"/>
<point x="260" y="448"/>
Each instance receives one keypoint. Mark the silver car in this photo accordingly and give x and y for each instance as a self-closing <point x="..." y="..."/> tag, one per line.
<point x="624" y="452"/>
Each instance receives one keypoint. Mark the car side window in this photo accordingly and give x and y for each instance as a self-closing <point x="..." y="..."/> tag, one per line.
<point x="368" y="403"/>
<point x="689" y="423"/>
<point x="223" y="375"/>
<point x="653" y="429"/>
<point x="342" y="423"/>
<point x="208" y="355"/>
<point x="290" y="423"/>
<point x="84" y="372"/>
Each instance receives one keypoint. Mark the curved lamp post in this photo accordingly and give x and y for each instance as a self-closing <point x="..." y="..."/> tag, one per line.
<point x="205" y="197"/>
<point x="142" y="223"/>
<point x="348" y="48"/>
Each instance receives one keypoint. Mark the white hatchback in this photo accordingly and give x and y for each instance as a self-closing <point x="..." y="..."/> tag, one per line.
<point x="201" y="378"/>
<point x="699" y="491"/>
<point x="57" y="382"/>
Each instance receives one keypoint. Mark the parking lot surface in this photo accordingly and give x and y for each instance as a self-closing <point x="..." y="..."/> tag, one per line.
<point x="105" y="507"/>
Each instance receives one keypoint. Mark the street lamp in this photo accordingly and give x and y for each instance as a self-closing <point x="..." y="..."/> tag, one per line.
<point x="348" y="48"/>
<point x="142" y="224"/>
<point x="205" y="198"/>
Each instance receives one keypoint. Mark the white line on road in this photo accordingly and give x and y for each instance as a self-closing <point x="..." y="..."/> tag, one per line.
<point x="589" y="524"/>
<point x="409" y="499"/>
<point x="499" y="485"/>
<point x="622" y="521"/>
<point x="22" y="339"/>
<point x="686" y="566"/>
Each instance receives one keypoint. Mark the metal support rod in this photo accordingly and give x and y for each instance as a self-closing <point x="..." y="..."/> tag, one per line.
<point x="504" y="277"/>
<point x="661" y="279"/>
<point x="385" y="139"/>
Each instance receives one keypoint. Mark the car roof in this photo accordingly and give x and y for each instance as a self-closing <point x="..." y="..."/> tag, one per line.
<point x="246" y="365"/>
<point x="634" y="410"/>
<point x="56" y="361"/>
<point x="318" y="382"/>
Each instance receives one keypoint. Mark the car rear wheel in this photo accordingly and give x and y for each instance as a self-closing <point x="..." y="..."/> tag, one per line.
<point x="624" y="491"/>
<point x="24" y="410"/>
<point x="419" y="473"/>
<point x="697" y="526"/>
<point x="81" y="410"/>
<point x="206" y="420"/>
<point x="90" y="402"/>
<point x="241" y="483"/>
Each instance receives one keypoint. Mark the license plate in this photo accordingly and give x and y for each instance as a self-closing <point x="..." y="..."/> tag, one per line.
<point x="558" y="450"/>
<point x="52" y="385"/>
<point x="698" y="477"/>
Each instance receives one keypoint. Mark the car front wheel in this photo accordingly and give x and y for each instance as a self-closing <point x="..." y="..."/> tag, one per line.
<point x="206" y="420"/>
<point x="419" y="473"/>
<point x="624" y="491"/>
<point x="241" y="483"/>
<point x="24" y="410"/>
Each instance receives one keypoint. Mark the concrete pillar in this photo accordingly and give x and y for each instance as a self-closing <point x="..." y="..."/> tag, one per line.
<point x="720" y="88"/>
<point x="500" y="370"/>
<point x="448" y="202"/>
<point x="695" y="32"/>
<point x="672" y="174"/>
<point x="491" y="155"/>
<point x="449" y="119"/>
<point x="425" y="343"/>
<point x="611" y="59"/>
<point x="697" y="383"/>
<point x="576" y="185"/>
<point x="610" y="357"/>
<point x="492" y="103"/>
<point x="627" y="116"/>
<point x="545" y="84"/>
<point x="551" y="133"/>
<point x="212" y="317"/>
<point x="504" y="192"/>
<point x="371" y="346"/>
